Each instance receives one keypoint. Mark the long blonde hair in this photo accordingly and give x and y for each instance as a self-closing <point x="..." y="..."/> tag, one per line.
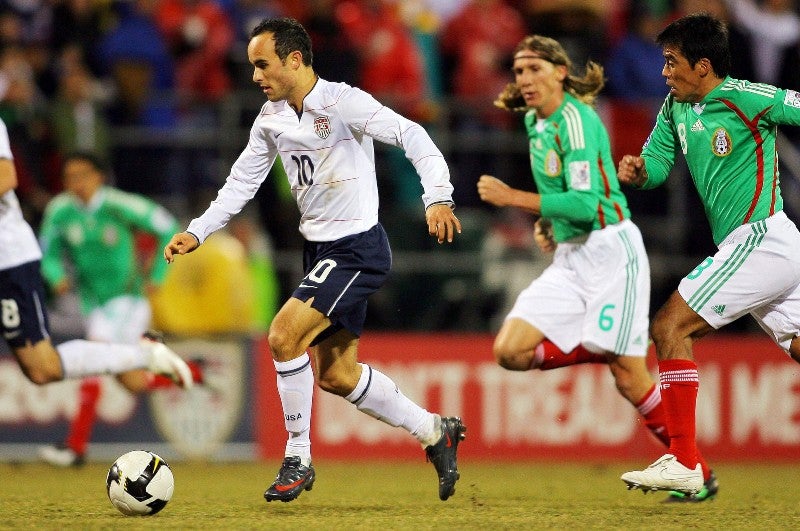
<point x="585" y="88"/>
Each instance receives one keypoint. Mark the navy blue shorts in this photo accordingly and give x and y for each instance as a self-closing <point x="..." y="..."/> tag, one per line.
<point x="23" y="317"/>
<point x="341" y="275"/>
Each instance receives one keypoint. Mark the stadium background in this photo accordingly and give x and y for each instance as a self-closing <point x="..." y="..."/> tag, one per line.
<point x="173" y="135"/>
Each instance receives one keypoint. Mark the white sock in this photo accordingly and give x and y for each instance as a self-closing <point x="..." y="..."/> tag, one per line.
<point x="378" y="396"/>
<point x="80" y="358"/>
<point x="296" y="388"/>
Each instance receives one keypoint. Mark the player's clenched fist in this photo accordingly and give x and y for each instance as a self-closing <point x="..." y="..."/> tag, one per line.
<point x="631" y="170"/>
<point x="493" y="190"/>
<point x="543" y="235"/>
<point x="181" y="243"/>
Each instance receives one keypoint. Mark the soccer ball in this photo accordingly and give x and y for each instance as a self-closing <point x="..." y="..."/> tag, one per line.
<point x="140" y="483"/>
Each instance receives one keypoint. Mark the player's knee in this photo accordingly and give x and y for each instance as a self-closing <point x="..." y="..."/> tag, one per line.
<point x="511" y="359"/>
<point x="39" y="363"/>
<point x="624" y="381"/>
<point x="661" y="328"/>
<point x="40" y="375"/>
<point x="280" y="344"/>
<point x="794" y="349"/>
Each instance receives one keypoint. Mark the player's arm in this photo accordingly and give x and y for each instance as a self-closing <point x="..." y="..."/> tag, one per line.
<point x="8" y="176"/>
<point x="652" y="168"/>
<point x="52" y="244"/>
<point x="364" y="114"/>
<point x="785" y="108"/>
<point x="495" y="192"/>
<point x="582" y="177"/>
<point x="143" y="214"/>
<point x="245" y="178"/>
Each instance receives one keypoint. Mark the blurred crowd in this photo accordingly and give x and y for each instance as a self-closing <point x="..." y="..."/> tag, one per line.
<point x="82" y="73"/>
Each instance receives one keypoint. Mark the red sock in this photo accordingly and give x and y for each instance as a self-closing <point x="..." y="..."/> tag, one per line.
<point x="80" y="430"/>
<point x="159" y="381"/>
<point x="679" y="384"/>
<point x="651" y="408"/>
<point x="547" y="356"/>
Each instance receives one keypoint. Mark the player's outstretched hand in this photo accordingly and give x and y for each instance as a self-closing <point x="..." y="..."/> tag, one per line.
<point x="631" y="170"/>
<point x="181" y="243"/>
<point x="442" y="222"/>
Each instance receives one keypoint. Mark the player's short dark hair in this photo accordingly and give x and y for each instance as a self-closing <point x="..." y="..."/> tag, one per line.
<point x="87" y="156"/>
<point x="290" y="36"/>
<point x="699" y="36"/>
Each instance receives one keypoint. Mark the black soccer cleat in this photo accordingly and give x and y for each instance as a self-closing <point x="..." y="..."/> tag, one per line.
<point x="292" y="479"/>
<point x="707" y="493"/>
<point x="443" y="455"/>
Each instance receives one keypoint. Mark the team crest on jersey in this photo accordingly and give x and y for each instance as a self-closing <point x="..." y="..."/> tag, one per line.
<point x="721" y="143"/>
<point x="792" y="99"/>
<point x="322" y="126"/>
<point x="552" y="163"/>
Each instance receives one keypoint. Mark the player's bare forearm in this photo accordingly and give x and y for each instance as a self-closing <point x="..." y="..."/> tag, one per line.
<point x="632" y="171"/>
<point x="497" y="193"/>
<point x="442" y="222"/>
<point x="181" y="243"/>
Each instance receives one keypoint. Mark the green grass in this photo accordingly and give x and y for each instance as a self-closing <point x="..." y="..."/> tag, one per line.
<point x="403" y="495"/>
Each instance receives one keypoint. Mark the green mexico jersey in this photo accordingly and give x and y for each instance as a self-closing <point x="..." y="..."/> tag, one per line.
<point x="728" y="140"/>
<point x="573" y="170"/>
<point x="99" y="241"/>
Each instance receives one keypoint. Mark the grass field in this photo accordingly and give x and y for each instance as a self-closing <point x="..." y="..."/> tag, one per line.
<point x="402" y="495"/>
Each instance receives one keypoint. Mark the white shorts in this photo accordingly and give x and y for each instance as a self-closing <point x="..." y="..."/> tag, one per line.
<point x="122" y="319"/>
<point x="757" y="271"/>
<point x="595" y="293"/>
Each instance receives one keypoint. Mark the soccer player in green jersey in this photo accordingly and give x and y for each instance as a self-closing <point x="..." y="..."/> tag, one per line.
<point x="591" y="305"/>
<point x="24" y="322"/>
<point x="726" y="130"/>
<point x="94" y="227"/>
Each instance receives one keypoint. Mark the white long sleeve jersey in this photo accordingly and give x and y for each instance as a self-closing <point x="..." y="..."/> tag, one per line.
<point x="329" y="159"/>
<point x="18" y="244"/>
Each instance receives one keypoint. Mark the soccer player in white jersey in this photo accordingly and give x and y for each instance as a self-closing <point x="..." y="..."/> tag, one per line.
<point x="23" y="317"/>
<point x="726" y="130"/>
<point x="323" y="132"/>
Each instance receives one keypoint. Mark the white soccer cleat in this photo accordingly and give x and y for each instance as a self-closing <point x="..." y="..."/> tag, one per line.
<point x="60" y="456"/>
<point x="667" y="473"/>
<point x="163" y="360"/>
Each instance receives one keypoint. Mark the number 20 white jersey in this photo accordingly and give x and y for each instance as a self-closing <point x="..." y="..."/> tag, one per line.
<point x="329" y="160"/>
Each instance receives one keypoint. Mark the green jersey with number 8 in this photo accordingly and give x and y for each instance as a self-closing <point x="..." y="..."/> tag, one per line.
<point x="728" y="140"/>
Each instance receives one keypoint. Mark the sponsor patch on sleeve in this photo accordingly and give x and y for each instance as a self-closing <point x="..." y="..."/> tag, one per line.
<point x="579" y="175"/>
<point x="792" y="99"/>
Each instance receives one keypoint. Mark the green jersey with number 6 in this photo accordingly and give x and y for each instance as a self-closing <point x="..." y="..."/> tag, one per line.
<point x="728" y="140"/>
<point x="572" y="166"/>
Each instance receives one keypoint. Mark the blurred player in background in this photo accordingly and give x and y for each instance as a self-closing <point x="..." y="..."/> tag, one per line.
<point x="591" y="305"/>
<point x="726" y="130"/>
<point x="88" y="239"/>
<point x="324" y="133"/>
<point x="23" y="317"/>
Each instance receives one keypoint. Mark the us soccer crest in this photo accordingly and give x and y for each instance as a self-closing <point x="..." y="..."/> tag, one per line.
<point x="322" y="126"/>
<point x="721" y="143"/>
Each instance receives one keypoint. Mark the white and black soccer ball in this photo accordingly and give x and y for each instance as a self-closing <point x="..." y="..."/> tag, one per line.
<point x="140" y="483"/>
